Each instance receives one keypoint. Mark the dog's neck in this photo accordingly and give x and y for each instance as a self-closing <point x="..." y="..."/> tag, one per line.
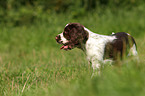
<point x="90" y="36"/>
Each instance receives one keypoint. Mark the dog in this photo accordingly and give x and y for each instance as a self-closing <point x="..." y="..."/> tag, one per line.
<point x="98" y="48"/>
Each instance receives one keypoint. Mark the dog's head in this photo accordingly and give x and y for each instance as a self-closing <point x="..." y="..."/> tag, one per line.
<point x="73" y="36"/>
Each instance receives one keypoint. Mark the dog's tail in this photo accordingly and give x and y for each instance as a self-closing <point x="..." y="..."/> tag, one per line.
<point x="133" y="50"/>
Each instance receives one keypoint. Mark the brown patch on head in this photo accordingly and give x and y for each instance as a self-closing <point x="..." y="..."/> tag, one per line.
<point x="75" y="34"/>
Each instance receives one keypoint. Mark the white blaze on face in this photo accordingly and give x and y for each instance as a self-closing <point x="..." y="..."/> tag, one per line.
<point x="63" y="39"/>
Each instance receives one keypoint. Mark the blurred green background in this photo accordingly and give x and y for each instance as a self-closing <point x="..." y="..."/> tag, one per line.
<point x="31" y="63"/>
<point x="20" y="12"/>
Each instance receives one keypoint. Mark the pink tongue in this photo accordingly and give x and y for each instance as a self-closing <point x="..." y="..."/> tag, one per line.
<point x="65" y="47"/>
<point x="62" y="47"/>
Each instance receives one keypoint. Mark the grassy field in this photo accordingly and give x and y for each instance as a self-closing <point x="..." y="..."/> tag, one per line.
<point x="31" y="63"/>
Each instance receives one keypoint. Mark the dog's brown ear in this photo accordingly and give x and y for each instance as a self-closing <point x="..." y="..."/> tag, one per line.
<point x="77" y="34"/>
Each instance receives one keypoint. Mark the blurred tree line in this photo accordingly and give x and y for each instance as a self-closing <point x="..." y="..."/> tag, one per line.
<point x="27" y="11"/>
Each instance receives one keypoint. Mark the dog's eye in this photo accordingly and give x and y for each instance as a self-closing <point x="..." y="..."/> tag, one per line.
<point x="65" y="33"/>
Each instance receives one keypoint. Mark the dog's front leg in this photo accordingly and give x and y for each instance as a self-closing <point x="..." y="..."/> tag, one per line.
<point x="96" y="68"/>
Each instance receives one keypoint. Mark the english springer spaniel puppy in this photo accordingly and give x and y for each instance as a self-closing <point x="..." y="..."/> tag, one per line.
<point x="98" y="48"/>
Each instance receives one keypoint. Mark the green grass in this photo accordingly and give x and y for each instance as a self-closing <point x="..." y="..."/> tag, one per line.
<point x="31" y="63"/>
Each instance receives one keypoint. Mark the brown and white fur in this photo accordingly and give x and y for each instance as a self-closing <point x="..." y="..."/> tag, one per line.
<point x="98" y="48"/>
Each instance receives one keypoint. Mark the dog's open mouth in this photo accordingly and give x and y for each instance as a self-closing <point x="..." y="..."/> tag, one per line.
<point x="66" y="47"/>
